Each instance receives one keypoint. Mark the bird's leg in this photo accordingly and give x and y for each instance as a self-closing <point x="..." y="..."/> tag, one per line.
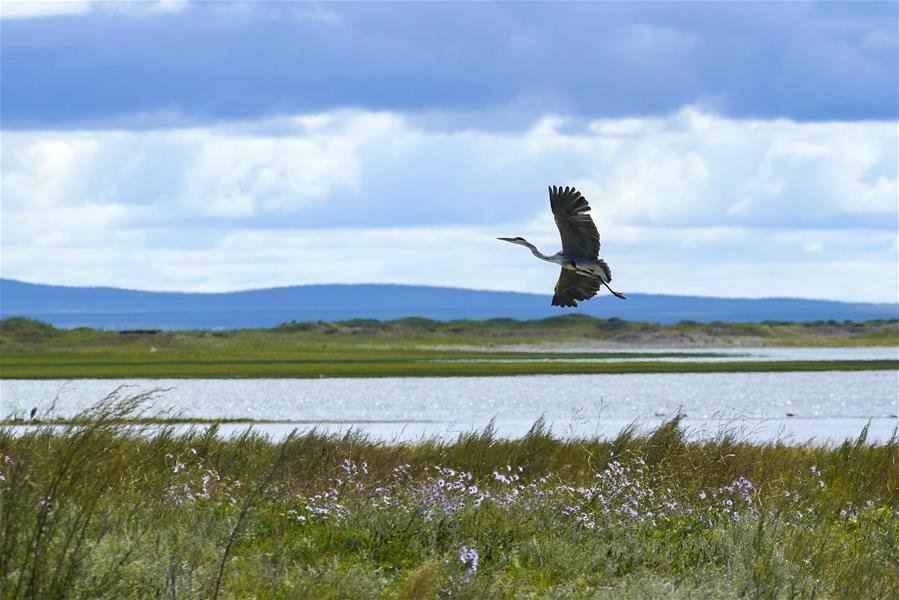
<point x="619" y="294"/>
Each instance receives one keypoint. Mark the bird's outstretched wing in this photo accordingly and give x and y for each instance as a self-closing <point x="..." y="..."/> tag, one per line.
<point x="579" y="235"/>
<point x="572" y="286"/>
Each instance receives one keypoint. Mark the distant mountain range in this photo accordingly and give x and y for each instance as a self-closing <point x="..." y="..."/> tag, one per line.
<point x="114" y="308"/>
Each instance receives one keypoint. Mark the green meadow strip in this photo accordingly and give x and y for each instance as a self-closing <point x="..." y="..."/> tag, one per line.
<point x="65" y="369"/>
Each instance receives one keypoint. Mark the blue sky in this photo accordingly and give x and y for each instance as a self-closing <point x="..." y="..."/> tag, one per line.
<point x="740" y="149"/>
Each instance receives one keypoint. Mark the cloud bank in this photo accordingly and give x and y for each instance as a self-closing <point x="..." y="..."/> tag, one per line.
<point x="500" y="65"/>
<point x="688" y="203"/>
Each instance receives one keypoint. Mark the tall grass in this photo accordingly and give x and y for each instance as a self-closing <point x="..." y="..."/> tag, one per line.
<point x="106" y="509"/>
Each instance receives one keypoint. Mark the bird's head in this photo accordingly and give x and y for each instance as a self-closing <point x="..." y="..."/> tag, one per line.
<point x="515" y="240"/>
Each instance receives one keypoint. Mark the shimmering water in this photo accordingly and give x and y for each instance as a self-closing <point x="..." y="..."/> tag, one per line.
<point x="799" y="406"/>
<point x="728" y="355"/>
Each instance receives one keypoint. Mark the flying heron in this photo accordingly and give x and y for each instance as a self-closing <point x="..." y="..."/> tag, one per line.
<point x="582" y="271"/>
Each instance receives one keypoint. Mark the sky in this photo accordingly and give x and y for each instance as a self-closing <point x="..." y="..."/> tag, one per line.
<point x="727" y="149"/>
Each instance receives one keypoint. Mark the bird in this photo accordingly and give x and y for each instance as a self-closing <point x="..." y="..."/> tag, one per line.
<point x="583" y="272"/>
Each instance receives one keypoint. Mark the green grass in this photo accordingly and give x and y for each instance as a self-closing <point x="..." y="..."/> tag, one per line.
<point x="290" y="369"/>
<point x="107" y="510"/>
<point x="409" y="347"/>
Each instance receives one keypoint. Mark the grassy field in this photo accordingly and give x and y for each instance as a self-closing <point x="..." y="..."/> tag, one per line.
<point x="107" y="511"/>
<point x="415" y="347"/>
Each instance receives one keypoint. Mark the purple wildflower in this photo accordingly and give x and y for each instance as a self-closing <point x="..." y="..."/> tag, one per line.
<point x="469" y="558"/>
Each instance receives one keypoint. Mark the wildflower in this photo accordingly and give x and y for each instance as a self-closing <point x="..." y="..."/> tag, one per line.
<point x="500" y="477"/>
<point x="469" y="557"/>
<point x="702" y="495"/>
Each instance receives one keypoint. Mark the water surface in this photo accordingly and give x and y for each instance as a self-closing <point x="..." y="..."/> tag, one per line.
<point x="726" y="355"/>
<point x="829" y="405"/>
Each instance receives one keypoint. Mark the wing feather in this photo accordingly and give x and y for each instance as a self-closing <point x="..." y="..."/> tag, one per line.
<point x="577" y="230"/>
<point x="573" y="286"/>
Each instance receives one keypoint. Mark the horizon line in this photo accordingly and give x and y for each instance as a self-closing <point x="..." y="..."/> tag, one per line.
<point x="436" y="287"/>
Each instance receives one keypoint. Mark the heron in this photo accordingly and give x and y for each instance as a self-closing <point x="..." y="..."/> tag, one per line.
<point x="583" y="272"/>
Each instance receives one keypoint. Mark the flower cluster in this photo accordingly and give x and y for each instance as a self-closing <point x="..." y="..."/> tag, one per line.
<point x="324" y="505"/>
<point x="818" y="474"/>
<point x="7" y="461"/>
<point x="193" y="480"/>
<point x="626" y="493"/>
<point x="621" y="493"/>
<point x="327" y="505"/>
<point x="445" y="493"/>
<point x="468" y="557"/>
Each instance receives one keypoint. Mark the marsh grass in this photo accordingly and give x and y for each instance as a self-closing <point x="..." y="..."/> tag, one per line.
<point x="101" y="508"/>
<point x="416" y="347"/>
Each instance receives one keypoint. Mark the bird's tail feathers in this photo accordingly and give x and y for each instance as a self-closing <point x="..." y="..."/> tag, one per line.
<point x="605" y="269"/>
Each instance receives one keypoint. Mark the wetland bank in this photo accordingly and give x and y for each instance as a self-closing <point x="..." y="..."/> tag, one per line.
<point x="421" y="347"/>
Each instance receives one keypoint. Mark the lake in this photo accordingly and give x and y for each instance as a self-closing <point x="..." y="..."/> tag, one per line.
<point x="726" y="354"/>
<point x="825" y="406"/>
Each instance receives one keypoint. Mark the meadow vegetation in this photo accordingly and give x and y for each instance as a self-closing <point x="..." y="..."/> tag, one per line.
<point x="103" y="509"/>
<point x="32" y="349"/>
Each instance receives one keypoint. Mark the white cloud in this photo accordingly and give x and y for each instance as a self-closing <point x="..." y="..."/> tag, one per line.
<point x="31" y="9"/>
<point x="28" y="9"/>
<point x="813" y="247"/>
<point x="690" y="203"/>
<point x="314" y="13"/>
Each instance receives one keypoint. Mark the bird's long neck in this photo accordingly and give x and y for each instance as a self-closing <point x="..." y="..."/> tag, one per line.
<point x="537" y="253"/>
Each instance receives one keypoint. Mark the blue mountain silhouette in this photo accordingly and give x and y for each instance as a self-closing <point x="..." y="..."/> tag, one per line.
<point x="114" y="308"/>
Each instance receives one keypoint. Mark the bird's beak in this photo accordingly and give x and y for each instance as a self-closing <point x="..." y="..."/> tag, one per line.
<point x="507" y="239"/>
